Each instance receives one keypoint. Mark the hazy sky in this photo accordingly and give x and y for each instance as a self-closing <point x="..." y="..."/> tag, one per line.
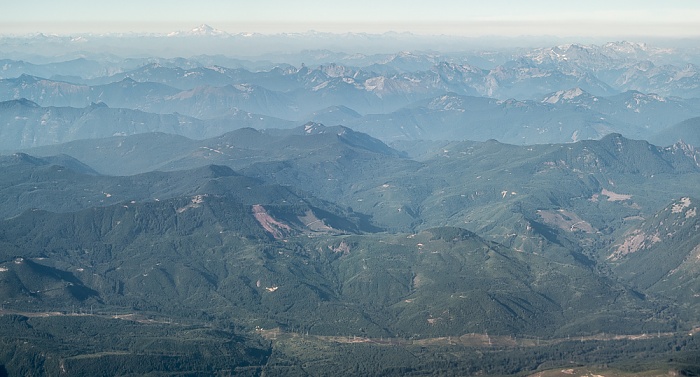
<point x="459" y="17"/>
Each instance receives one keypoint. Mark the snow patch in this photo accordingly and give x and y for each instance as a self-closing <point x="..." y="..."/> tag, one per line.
<point x="563" y="95"/>
<point x="575" y="136"/>
<point x="216" y="68"/>
<point x="320" y="86"/>
<point x="212" y="150"/>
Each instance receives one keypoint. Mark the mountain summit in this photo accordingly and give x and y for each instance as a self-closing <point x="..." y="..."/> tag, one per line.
<point x="202" y="30"/>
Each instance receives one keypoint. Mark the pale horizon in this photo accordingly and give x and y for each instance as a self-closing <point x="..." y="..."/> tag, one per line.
<point x="675" y="19"/>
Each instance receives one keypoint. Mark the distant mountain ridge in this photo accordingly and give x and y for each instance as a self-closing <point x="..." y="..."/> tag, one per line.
<point x="584" y="91"/>
<point x="26" y="124"/>
<point x="600" y="70"/>
<point x="686" y="131"/>
<point x="562" y="116"/>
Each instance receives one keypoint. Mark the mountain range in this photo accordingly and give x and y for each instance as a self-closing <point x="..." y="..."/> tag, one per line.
<point x="510" y="212"/>
<point x="564" y="116"/>
<point x="277" y="244"/>
<point x="546" y="95"/>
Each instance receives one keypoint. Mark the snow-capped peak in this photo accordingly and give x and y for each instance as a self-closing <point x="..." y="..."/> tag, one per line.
<point x="447" y="102"/>
<point x="205" y="29"/>
<point x="200" y="31"/>
<point x="564" y="95"/>
<point x="313" y="128"/>
<point x="625" y="46"/>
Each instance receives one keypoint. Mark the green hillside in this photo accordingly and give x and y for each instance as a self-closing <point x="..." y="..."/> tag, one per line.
<point x="661" y="254"/>
<point x="325" y="240"/>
